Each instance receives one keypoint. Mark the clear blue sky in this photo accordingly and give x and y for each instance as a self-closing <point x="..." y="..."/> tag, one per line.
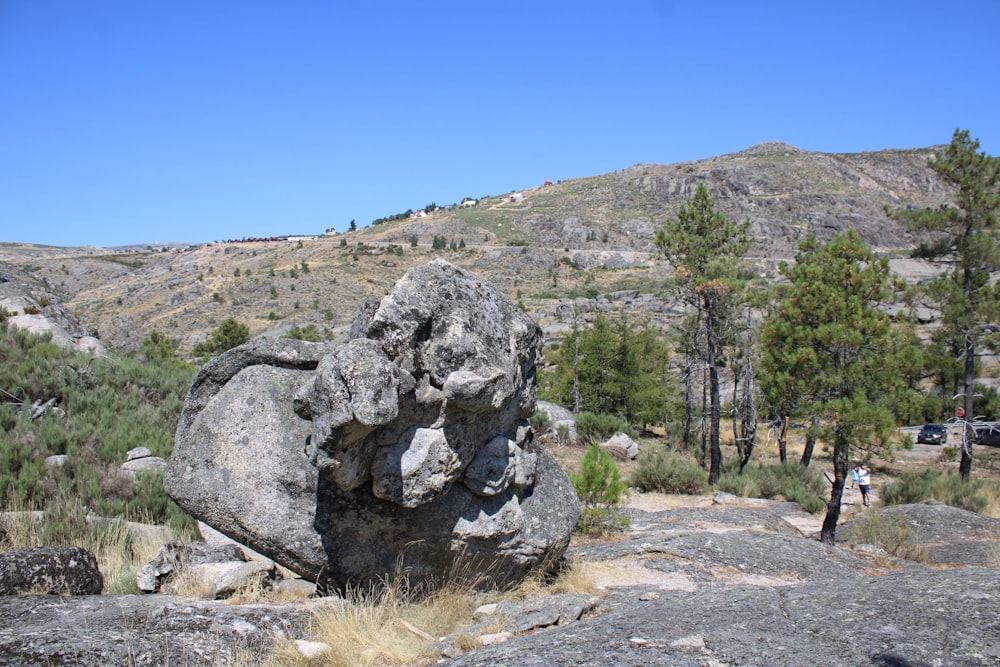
<point x="139" y="121"/>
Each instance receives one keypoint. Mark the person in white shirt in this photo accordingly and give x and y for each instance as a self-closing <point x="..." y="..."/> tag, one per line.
<point x="864" y="483"/>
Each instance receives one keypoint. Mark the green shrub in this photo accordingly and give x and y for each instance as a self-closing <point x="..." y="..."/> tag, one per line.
<point x="108" y="405"/>
<point x="791" y="481"/>
<point x="540" y="421"/>
<point x="310" y="333"/>
<point x="891" y="533"/>
<point x="972" y="495"/>
<point x="230" y="334"/>
<point x="601" y="490"/>
<point x="666" y="472"/>
<point x="593" y="426"/>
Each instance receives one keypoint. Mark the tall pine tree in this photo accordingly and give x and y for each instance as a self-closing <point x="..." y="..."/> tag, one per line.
<point x="705" y="249"/>
<point x="833" y="352"/>
<point x="967" y="241"/>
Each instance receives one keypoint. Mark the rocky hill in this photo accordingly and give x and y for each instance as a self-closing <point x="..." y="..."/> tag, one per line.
<point x="587" y="238"/>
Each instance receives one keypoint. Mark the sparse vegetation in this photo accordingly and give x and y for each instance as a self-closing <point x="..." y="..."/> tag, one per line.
<point x="601" y="491"/>
<point x="599" y="426"/>
<point x="975" y="495"/>
<point x="87" y="426"/>
<point x="789" y="481"/>
<point x="229" y="334"/>
<point x="667" y="472"/>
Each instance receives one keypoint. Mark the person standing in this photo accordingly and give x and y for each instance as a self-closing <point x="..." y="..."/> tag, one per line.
<point x="865" y="483"/>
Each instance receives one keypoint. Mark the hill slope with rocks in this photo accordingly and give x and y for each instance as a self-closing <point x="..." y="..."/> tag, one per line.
<point x="546" y="247"/>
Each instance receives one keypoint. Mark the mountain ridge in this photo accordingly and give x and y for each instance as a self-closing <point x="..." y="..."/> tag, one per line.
<point x="585" y="236"/>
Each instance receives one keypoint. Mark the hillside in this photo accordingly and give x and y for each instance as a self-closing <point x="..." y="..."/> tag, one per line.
<point x="582" y="238"/>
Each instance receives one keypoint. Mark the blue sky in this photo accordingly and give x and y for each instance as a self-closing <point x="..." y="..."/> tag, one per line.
<point x="140" y="121"/>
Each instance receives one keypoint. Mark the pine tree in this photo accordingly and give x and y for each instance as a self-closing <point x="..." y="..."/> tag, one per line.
<point x="705" y="249"/>
<point x="831" y="350"/>
<point x="967" y="240"/>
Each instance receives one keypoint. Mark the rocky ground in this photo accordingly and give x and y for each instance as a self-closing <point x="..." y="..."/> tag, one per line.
<point x="709" y="581"/>
<point x="744" y="583"/>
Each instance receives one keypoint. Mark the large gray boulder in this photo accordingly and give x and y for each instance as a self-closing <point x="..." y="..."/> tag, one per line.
<point x="407" y="448"/>
<point x="55" y="570"/>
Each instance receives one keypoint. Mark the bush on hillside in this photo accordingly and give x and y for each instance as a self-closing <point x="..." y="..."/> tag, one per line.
<point x="591" y="426"/>
<point x="230" y="334"/>
<point x="972" y="495"/>
<point x="105" y="407"/>
<point x="666" y="472"/>
<point x="791" y="481"/>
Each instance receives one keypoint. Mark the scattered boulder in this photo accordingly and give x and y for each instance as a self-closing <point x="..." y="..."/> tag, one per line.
<point x="406" y="447"/>
<point x="137" y="453"/>
<point x="56" y="461"/>
<point x="176" y="555"/>
<point x="140" y="460"/>
<point x="621" y="447"/>
<point x="563" y="423"/>
<point x="53" y="570"/>
<point x="235" y="576"/>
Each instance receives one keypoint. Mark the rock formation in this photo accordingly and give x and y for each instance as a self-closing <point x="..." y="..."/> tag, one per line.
<point x="29" y="306"/>
<point x="406" y="449"/>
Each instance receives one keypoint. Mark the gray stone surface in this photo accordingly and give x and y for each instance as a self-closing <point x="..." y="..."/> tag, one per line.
<point x="143" y="631"/>
<point x="951" y="536"/>
<point x="905" y="619"/>
<point x="23" y="296"/>
<point x="175" y="555"/>
<point x="408" y="446"/>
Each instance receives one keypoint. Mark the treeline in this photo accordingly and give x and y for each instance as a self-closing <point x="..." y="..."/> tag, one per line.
<point x="818" y="347"/>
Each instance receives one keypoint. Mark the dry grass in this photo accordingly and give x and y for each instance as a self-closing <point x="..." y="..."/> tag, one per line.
<point x="119" y="551"/>
<point x="394" y="624"/>
<point x="384" y="626"/>
<point x="891" y="533"/>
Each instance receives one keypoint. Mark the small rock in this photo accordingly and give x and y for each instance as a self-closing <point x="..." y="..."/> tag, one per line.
<point x="51" y="570"/>
<point x="486" y="609"/>
<point x="137" y="453"/>
<point x="312" y="650"/>
<point x="241" y="576"/>
<point x="57" y="461"/>
<point x="621" y="447"/>
<point x="691" y="641"/>
<point x="723" y="498"/>
<point x="295" y="588"/>
<point x="494" y="638"/>
<point x="145" y="464"/>
<point x="646" y="597"/>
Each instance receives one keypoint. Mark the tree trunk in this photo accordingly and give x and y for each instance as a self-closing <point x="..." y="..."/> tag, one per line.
<point x="715" y="470"/>
<point x="841" y="455"/>
<point x="688" y="401"/>
<point x="807" y="452"/>
<point x="783" y="441"/>
<point x="577" y="403"/>
<point x="965" y="465"/>
<point x="704" y="411"/>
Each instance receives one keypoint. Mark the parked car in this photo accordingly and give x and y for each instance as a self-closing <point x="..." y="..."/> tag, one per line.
<point x="988" y="435"/>
<point x="932" y="434"/>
